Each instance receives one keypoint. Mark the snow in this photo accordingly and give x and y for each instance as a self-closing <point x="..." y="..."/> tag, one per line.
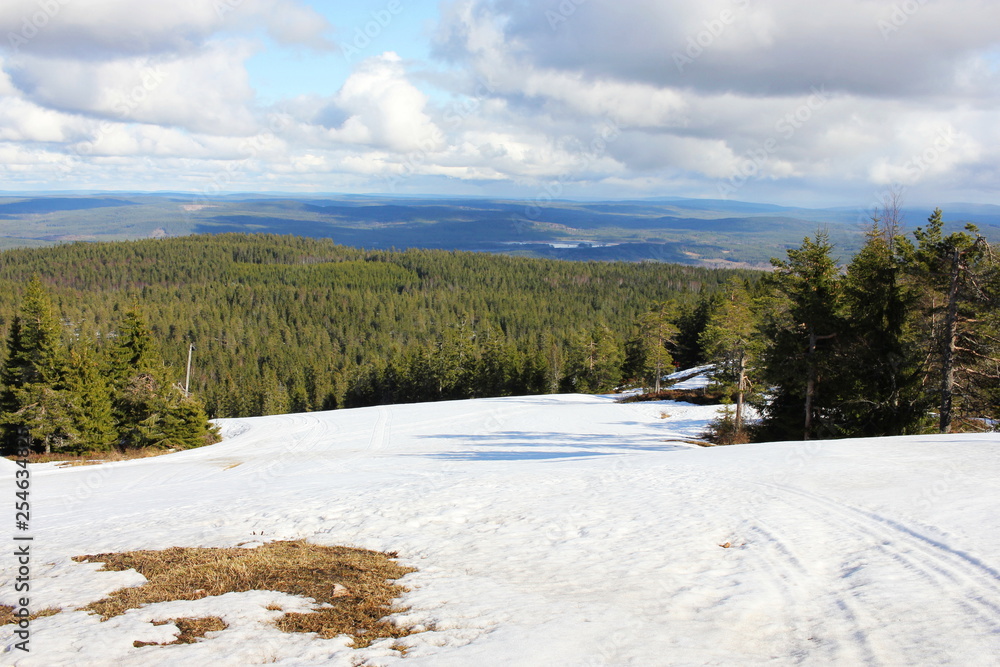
<point x="562" y="530"/>
<point x="693" y="378"/>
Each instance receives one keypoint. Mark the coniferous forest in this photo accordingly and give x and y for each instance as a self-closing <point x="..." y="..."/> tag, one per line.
<point x="281" y="323"/>
<point x="903" y="339"/>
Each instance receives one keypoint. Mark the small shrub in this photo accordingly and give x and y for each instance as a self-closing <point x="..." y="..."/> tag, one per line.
<point x="722" y="430"/>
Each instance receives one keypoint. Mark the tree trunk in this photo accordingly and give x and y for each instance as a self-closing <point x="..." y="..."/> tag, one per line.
<point x="810" y="386"/>
<point x="739" y="393"/>
<point x="949" y="341"/>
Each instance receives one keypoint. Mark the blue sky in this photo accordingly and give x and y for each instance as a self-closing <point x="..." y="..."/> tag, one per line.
<point x="761" y="100"/>
<point x="364" y="29"/>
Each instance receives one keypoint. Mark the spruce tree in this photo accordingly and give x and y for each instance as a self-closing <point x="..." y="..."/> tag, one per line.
<point x="594" y="362"/>
<point x="799" y="365"/>
<point x="150" y="409"/>
<point x="33" y="398"/>
<point x="732" y="342"/>
<point x="881" y="355"/>
<point x="498" y="368"/>
<point x="956" y="274"/>
<point x="657" y="332"/>
<point x="90" y="399"/>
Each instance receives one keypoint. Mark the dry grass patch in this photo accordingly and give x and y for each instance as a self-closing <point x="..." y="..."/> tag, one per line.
<point x="191" y="630"/>
<point x="7" y="614"/>
<point x="94" y="458"/>
<point x="353" y="585"/>
<point x="703" y="396"/>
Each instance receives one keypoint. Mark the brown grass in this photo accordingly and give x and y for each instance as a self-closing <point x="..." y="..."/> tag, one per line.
<point x="297" y="568"/>
<point x="94" y="458"/>
<point x="696" y="396"/>
<point x="191" y="630"/>
<point x="7" y="614"/>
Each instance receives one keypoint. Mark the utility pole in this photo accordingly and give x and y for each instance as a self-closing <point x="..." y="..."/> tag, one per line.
<point x="187" y="379"/>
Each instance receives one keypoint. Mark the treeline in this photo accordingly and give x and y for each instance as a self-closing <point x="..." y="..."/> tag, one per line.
<point x="284" y="324"/>
<point x="905" y="339"/>
<point x="84" y="395"/>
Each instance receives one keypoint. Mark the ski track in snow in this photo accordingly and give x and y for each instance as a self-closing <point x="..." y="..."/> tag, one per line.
<point x="555" y="530"/>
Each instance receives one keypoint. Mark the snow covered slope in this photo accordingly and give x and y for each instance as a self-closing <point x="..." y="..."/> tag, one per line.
<point x="553" y="530"/>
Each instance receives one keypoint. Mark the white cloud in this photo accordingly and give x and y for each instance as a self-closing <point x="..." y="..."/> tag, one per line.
<point x="116" y="28"/>
<point x="22" y="121"/>
<point x="290" y="23"/>
<point x="801" y="91"/>
<point x="380" y="107"/>
<point x="525" y="95"/>
<point x="205" y="91"/>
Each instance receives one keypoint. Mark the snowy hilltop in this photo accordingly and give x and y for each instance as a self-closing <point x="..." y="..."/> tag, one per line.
<point x="549" y="530"/>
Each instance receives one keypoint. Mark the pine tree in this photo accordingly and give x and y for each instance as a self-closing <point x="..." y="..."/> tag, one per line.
<point x="90" y="400"/>
<point x="657" y="332"/>
<point x="498" y="367"/>
<point x="33" y="400"/>
<point x="134" y="350"/>
<point x="595" y="362"/>
<point x="150" y="409"/>
<point x="802" y="324"/>
<point x="956" y="274"/>
<point x="732" y="342"/>
<point x="881" y="357"/>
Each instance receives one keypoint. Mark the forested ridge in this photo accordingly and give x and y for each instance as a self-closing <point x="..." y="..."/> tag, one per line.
<point x="282" y="323"/>
<point x="904" y="338"/>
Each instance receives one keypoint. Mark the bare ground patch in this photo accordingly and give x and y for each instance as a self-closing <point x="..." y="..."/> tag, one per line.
<point x="354" y="588"/>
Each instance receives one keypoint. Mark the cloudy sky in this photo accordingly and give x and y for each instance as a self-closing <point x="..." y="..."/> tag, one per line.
<point x="782" y="101"/>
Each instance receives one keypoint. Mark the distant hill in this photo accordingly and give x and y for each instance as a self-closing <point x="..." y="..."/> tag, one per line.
<point x="693" y="231"/>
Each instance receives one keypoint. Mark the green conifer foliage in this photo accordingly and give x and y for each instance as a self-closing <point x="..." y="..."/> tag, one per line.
<point x="881" y="356"/>
<point x="33" y="396"/>
<point x="90" y="400"/>
<point x="800" y="363"/>
<point x="957" y="277"/>
<point x="594" y="362"/>
<point x="732" y="342"/>
<point x="657" y="332"/>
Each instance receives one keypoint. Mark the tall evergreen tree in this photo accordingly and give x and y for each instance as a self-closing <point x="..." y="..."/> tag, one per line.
<point x="956" y="275"/>
<point x="801" y="328"/>
<point x="656" y="333"/>
<point x="881" y="357"/>
<point x="150" y="409"/>
<point x="594" y="362"/>
<point x="498" y="367"/>
<point x="732" y="342"/>
<point x="90" y="399"/>
<point x="33" y="399"/>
